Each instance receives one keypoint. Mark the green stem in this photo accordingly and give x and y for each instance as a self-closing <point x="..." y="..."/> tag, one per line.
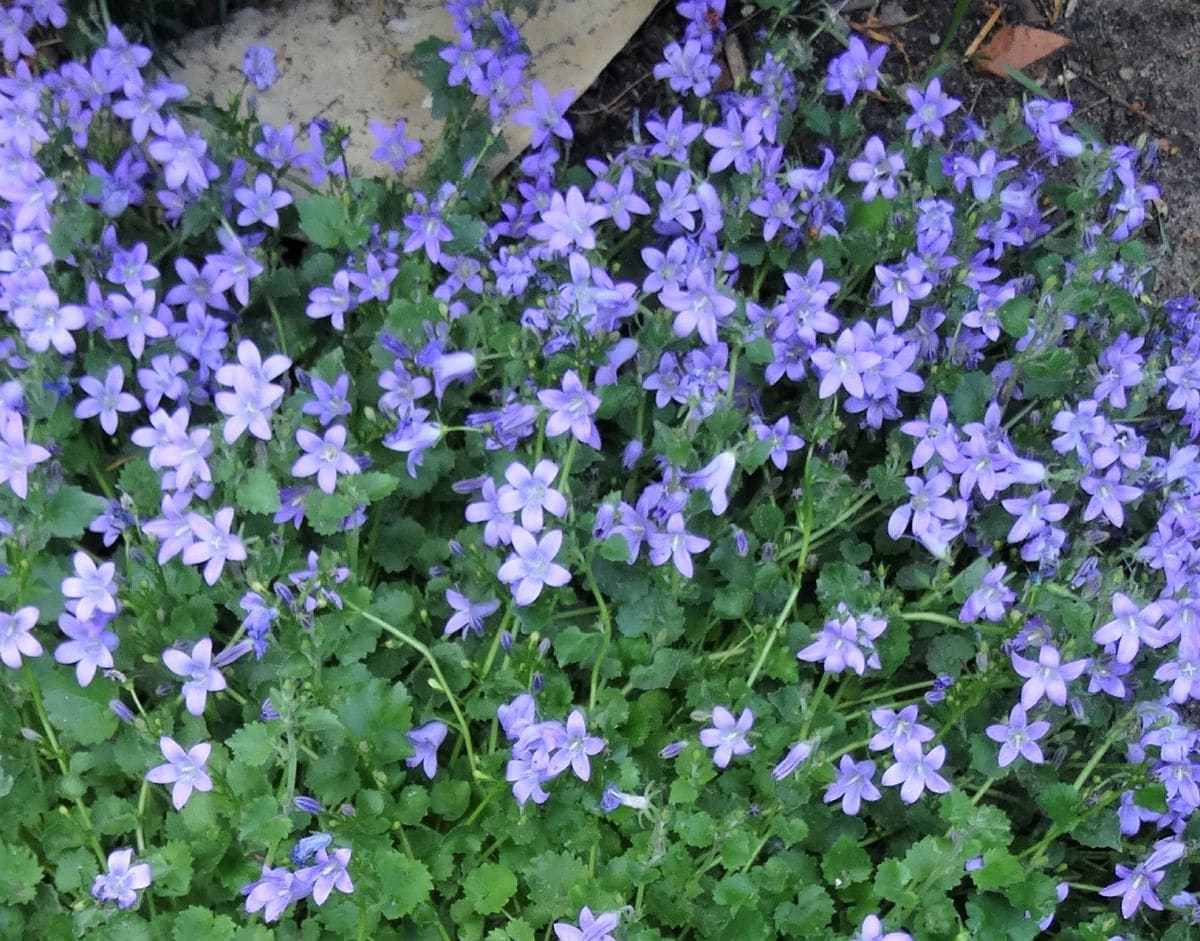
<point x="35" y="691"/>
<point x="605" y="626"/>
<point x="930" y="616"/>
<point x="427" y="655"/>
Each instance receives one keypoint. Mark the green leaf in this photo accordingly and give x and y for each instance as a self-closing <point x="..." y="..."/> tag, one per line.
<point x="488" y="887"/>
<point x="258" y="492"/>
<point x="846" y="862"/>
<point x="891" y="883"/>
<point x="1000" y="868"/>
<point x="253" y="744"/>
<point x="406" y="882"/>
<point x="1014" y="316"/>
<point x="807" y="917"/>
<point x="970" y="396"/>
<point x="196" y="922"/>
<point x="659" y="673"/>
<point x="1062" y="805"/>
<point x="261" y="823"/>
<point x="81" y="714"/>
<point x="735" y="891"/>
<point x="323" y="219"/>
<point x="70" y="510"/>
<point x="19" y="874"/>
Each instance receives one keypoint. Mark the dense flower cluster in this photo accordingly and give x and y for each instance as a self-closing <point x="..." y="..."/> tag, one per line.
<point x="844" y="441"/>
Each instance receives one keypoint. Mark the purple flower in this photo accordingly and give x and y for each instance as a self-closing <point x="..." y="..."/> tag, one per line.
<point x="202" y="676"/>
<point x="855" y="69"/>
<point x="214" y="544"/>
<point x="688" y="68"/>
<point x="530" y="492"/>
<point x="15" y="638"/>
<point x="546" y="114"/>
<point x="1136" y="886"/>
<point x="258" y="65"/>
<point x="714" y="479"/>
<point x="990" y="600"/>
<point x="1018" y="737"/>
<point x="727" y="735"/>
<point x="699" y="306"/>
<point x="331" y="402"/>
<point x="929" y="108"/>
<point x="844" y="365"/>
<point x="1131" y="626"/>
<point x="674" y="136"/>
<point x="106" y="399"/>
<point x="591" y="927"/>
<point x="324" y="457"/>
<point x="838" y="643"/>
<point x="90" y="647"/>
<point x="394" y="148"/>
<point x="897" y="729"/>
<point x="451" y="367"/>
<point x="16" y="457"/>
<point x="426" y="740"/>
<point x="532" y="565"/>
<point x="527" y="774"/>
<point x="468" y="615"/>
<point x="274" y="891"/>
<point x="91" y="588"/>
<point x="123" y="880"/>
<point x="1108" y="496"/>
<point x="900" y="288"/>
<point x="328" y="872"/>
<point x="567" y="221"/>
<point x="876" y="170"/>
<point x="796" y="756"/>
<point x="936" y="436"/>
<point x="575" y="749"/>
<point x="872" y="927"/>
<point x="853" y="785"/>
<point x="674" y="542"/>
<point x="262" y="203"/>
<point x="915" y="771"/>
<point x="1033" y="514"/>
<point x="572" y="409"/>
<point x="781" y="439"/>
<point x="188" y="770"/>
<point x="182" y="156"/>
<point x="1047" y="677"/>
<point x="332" y="302"/>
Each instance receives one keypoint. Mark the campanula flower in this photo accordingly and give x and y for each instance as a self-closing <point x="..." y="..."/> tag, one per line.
<point x="727" y="736"/>
<point x="186" y="770"/>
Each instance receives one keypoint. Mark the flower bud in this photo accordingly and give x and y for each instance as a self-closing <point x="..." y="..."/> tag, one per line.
<point x="309" y="805"/>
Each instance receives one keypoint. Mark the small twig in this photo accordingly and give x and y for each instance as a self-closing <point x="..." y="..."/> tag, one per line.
<point x="983" y="33"/>
<point x="609" y="104"/>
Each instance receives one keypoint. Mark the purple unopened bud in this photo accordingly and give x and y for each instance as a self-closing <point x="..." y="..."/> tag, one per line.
<point x="451" y="367"/>
<point x="284" y="593"/>
<point x="347" y="810"/>
<point x="768" y="552"/>
<point x="1076" y="707"/>
<point x="310" y="805"/>
<point x="974" y="864"/>
<point x="456" y="548"/>
<point x="121" y="711"/>
<point x="602" y="527"/>
<point x="672" y="750"/>
<point x="30" y="735"/>
<point x="506" y="642"/>
<point x="436" y="571"/>
<point x="394" y="345"/>
<point x="469" y="485"/>
<point x="1060" y="755"/>
<point x="230" y="654"/>
<point x="633" y="451"/>
<point x="268" y="711"/>
<point x="741" y="544"/>
<point x="537" y="683"/>
<point x="163" y="689"/>
<point x="935" y="696"/>
<point x="543" y="647"/>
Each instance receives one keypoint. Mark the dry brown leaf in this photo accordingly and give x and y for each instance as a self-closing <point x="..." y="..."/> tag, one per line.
<point x="1017" y="47"/>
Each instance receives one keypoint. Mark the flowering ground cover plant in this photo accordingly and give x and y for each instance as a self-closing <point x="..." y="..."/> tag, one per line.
<point x="773" y="528"/>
